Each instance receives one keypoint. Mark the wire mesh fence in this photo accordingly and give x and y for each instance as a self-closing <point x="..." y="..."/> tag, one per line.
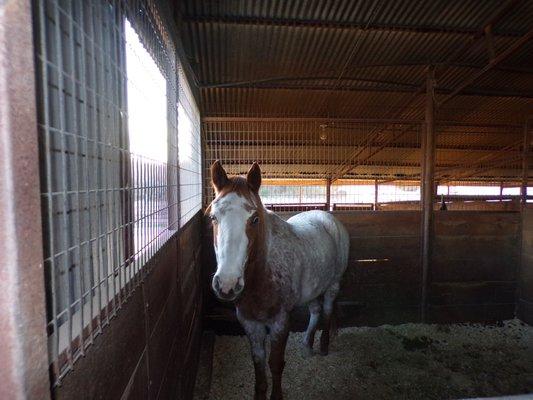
<point x="300" y="158"/>
<point x="112" y="100"/>
<point x="370" y="164"/>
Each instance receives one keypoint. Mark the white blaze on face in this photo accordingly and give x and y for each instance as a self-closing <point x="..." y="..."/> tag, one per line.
<point x="231" y="243"/>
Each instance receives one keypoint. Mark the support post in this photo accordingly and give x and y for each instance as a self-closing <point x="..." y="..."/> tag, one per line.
<point x="525" y="165"/>
<point x="428" y="186"/>
<point x="328" y="194"/>
<point x="23" y="344"/>
<point x="376" y="191"/>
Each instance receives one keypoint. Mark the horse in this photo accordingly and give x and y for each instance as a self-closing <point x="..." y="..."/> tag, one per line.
<point x="267" y="266"/>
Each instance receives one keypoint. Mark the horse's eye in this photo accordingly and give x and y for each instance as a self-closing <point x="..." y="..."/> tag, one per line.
<point x="213" y="219"/>
<point x="255" y="220"/>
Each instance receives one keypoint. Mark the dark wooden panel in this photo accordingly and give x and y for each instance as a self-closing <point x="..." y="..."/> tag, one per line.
<point x="525" y="291"/>
<point x="475" y="260"/>
<point x="376" y="316"/>
<point x="170" y="386"/>
<point x="138" y="387"/>
<point x="381" y="294"/>
<point x="112" y="359"/>
<point x="470" y="313"/>
<point x="467" y="223"/>
<point x="191" y="354"/>
<point x="161" y="280"/>
<point x="372" y="223"/>
<point x="476" y="246"/>
<point x="526" y="278"/>
<point x="474" y="269"/>
<point x="395" y="247"/>
<point x="525" y="311"/>
<point x="392" y="270"/>
<point x="141" y="354"/>
<point x="451" y="293"/>
<point x="160" y="343"/>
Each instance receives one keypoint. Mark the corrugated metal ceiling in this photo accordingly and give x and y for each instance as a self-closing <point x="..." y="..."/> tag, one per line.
<point x="365" y="60"/>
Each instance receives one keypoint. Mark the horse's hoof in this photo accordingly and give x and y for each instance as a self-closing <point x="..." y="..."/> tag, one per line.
<point x="307" y="352"/>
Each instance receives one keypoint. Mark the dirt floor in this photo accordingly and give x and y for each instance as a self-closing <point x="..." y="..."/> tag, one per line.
<point x="411" y="361"/>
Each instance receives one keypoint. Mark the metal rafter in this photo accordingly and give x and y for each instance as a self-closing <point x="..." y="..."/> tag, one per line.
<point x="322" y="24"/>
<point x="491" y="65"/>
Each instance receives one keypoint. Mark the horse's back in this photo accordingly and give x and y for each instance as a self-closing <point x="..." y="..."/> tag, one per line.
<point x="321" y="225"/>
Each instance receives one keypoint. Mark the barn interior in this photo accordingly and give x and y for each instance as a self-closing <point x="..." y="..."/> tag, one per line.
<point x="410" y="121"/>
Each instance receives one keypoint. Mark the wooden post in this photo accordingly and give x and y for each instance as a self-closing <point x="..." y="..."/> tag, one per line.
<point x="328" y="194"/>
<point x="23" y="343"/>
<point x="525" y="165"/>
<point x="428" y="186"/>
<point x="376" y="191"/>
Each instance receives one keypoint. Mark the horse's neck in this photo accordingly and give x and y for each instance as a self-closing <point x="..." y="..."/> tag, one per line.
<point x="262" y="297"/>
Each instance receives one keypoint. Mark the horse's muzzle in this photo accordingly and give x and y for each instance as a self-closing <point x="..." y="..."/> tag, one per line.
<point x="232" y="295"/>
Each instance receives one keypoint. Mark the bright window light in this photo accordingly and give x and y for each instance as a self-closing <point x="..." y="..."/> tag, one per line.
<point x="511" y="191"/>
<point x="148" y="133"/>
<point x="147" y="101"/>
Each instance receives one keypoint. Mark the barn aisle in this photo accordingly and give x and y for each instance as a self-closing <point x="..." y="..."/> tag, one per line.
<point x="410" y="361"/>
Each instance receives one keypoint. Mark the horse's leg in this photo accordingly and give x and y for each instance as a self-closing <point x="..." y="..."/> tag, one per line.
<point x="256" y="333"/>
<point x="314" y="317"/>
<point x="279" y="332"/>
<point x="329" y="304"/>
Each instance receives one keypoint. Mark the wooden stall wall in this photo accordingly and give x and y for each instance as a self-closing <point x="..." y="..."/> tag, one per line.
<point x="525" y="292"/>
<point x="382" y="282"/>
<point x="150" y="350"/>
<point x="474" y="268"/>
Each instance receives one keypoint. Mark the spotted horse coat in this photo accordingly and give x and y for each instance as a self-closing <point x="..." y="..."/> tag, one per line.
<point x="267" y="266"/>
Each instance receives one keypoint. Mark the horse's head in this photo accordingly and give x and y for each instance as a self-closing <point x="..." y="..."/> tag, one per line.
<point x="237" y="215"/>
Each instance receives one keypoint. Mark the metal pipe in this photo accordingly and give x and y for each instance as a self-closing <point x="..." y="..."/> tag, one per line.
<point x="525" y="165"/>
<point x="428" y="186"/>
<point x="328" y="194"/>
<point x="376" y="192"/>
<point x="321" y="24"/>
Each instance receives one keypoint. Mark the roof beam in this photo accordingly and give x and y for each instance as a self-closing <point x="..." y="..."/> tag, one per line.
<point x="388" y="87"/>
<point x="308" y="23"/>
<point x="494" y="62"/>
<point x="516" y="46"/>
<point x="399" y="121"/>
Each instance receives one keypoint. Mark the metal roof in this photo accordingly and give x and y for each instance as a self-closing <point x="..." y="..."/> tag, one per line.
<point x="363" y="59"/>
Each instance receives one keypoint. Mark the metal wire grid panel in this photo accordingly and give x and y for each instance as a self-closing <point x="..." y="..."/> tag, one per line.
<point x="190" y="149"/>
<point x="299" y="156"/>
<point x="107" y="82"/>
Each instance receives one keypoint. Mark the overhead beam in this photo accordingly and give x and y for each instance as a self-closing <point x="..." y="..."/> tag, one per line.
<point x="290" y="143"/>
<point x="387" y="86"/>
<point x="323" y="24"/>
<point x="513" y="49"/>
<point x="400" y="121"/>
<point x="471" y="173"/>
<point x="489" y="24"/>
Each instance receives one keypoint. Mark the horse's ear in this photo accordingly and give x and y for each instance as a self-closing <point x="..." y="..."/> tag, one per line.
<point x="219" y="178"/>
<point x="254" y="177"/>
